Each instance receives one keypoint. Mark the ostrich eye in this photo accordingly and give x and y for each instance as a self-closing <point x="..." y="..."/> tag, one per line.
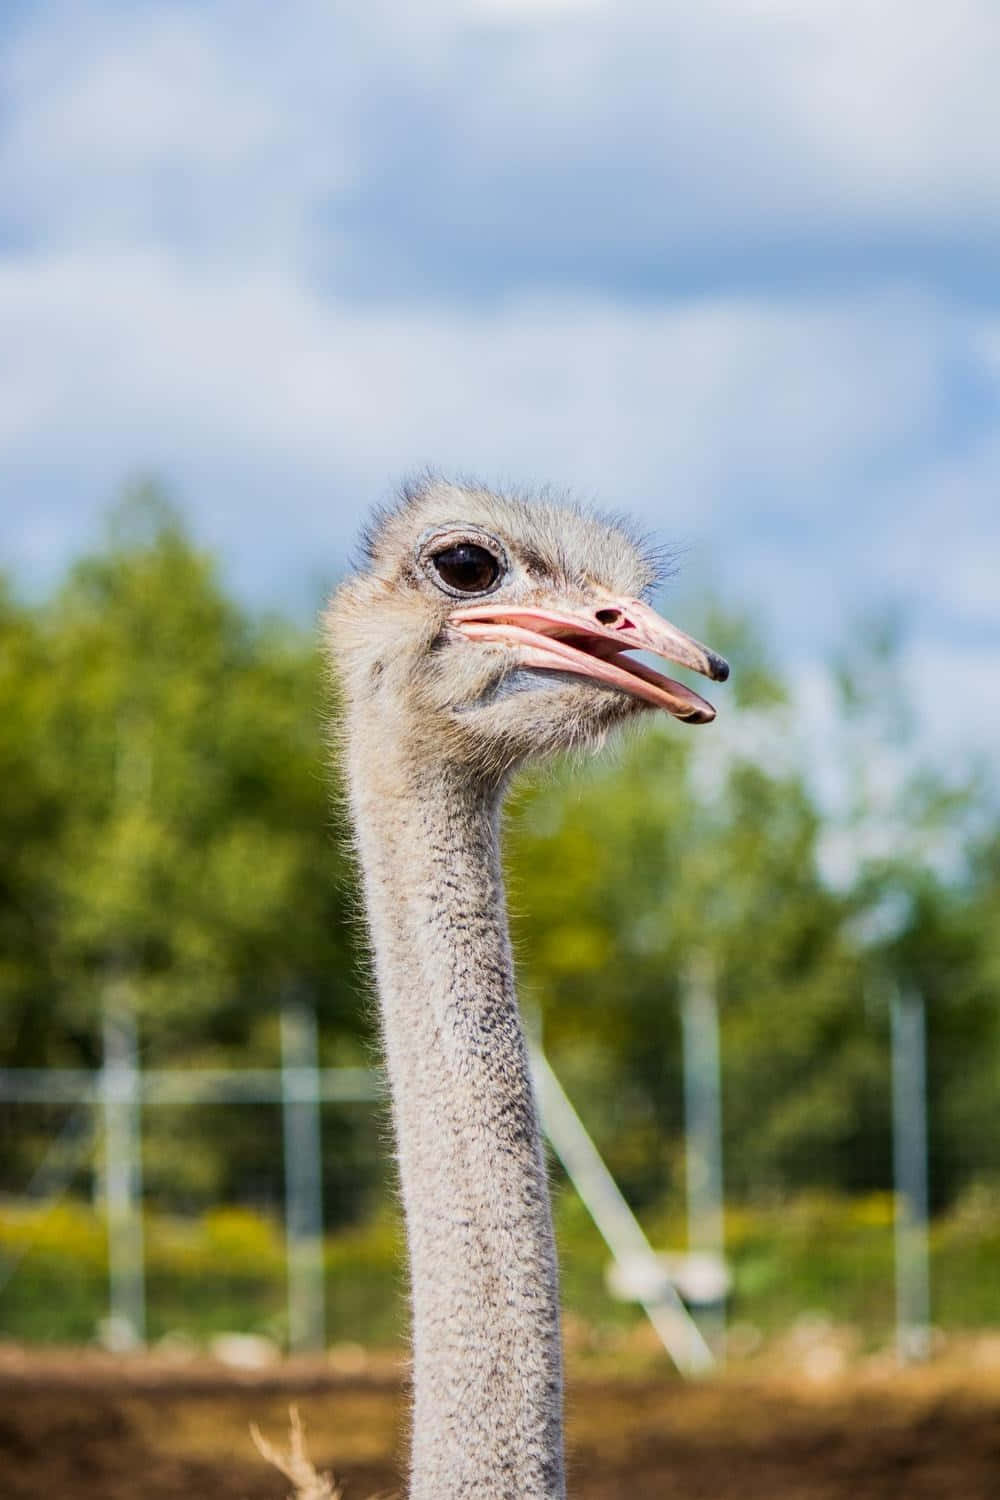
<point x="468" y="568"/>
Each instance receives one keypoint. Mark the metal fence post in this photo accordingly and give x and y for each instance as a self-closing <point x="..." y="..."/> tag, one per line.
<point x="703" y="1132"/>
<point x="300" y="1094"/>
<point x="618" y="1226"/>
<point x="909" y="1160"/>
<point x="120" y="1096"/>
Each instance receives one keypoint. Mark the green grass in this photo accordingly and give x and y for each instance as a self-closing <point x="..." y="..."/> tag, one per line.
<point x="226" y="1271"/>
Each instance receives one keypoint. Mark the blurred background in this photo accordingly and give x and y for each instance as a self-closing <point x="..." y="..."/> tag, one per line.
<point x="730" y="269"/>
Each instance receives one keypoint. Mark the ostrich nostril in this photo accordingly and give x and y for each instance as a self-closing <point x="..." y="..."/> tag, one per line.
<point x="613" y="617"/>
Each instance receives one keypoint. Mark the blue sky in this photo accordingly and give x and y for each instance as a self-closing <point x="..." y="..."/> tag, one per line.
<point x="729" y="266"/>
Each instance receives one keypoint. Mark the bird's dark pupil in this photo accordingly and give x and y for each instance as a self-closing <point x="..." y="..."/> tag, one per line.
<point x="466" y="567"/>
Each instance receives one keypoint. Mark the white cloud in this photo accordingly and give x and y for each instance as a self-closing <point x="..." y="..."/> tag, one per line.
<point x="283" y="255"/>
<point x="756" y="429"/>
<point x="205" y="131"/>
<point x="529" y="10"/>
<point x="643" y="133"/>
<point x="669" y="401"/>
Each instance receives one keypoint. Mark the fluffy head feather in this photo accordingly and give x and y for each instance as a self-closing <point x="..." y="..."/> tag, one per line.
<point x="408" y="679"/>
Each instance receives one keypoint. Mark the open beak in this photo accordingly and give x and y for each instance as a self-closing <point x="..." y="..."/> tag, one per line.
<point x="591" y="642"/>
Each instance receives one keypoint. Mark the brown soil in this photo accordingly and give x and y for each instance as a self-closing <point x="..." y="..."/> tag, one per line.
<point x="81" y="1426"/>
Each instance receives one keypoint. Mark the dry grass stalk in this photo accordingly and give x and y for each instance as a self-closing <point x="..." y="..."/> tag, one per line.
<point x="295" y="1464"/>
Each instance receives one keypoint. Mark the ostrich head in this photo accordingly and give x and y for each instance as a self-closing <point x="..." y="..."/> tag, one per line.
<point x="487" y="630"/>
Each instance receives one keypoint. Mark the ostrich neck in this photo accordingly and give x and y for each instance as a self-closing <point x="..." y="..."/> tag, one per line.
<point x="487" y="1376"/>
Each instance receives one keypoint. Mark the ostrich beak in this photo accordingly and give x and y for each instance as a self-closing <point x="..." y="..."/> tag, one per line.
<point x="591" y="642"/>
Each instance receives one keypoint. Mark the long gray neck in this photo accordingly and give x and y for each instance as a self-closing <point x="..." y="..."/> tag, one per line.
<point x="487" y="1368"/>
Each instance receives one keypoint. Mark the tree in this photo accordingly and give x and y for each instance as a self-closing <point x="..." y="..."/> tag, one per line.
<point x="166" y="827"/>
<point x="170" y="827"/>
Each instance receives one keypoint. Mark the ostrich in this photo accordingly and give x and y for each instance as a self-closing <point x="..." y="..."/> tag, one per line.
<point x="482" y="631"/>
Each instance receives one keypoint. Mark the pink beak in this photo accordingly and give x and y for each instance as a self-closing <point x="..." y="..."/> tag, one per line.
<point x="591" y="642"/>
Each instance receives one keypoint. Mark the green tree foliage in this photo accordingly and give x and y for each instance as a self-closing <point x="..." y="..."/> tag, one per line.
<point x="637" y="870"/>
<point x="924" y="893"/>
<point x="165" y="826"/>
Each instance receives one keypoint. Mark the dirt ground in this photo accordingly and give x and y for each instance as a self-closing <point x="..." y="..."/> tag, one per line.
<point x="82" y="1426"/>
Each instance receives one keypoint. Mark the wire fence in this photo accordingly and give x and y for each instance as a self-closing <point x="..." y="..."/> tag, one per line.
<point x="107" y="1112"/>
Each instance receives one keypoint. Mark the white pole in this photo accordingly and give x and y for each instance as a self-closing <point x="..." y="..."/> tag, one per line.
<point x="703" y="1132"/>
<point x="616" y="1222"/>
<point x="300" y="1091"/>
<point x="120" y="1095"/>
<point x="909" y="1159"/>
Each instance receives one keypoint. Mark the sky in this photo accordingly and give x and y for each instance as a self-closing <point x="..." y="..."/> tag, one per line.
<point x="731" y="267"/>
